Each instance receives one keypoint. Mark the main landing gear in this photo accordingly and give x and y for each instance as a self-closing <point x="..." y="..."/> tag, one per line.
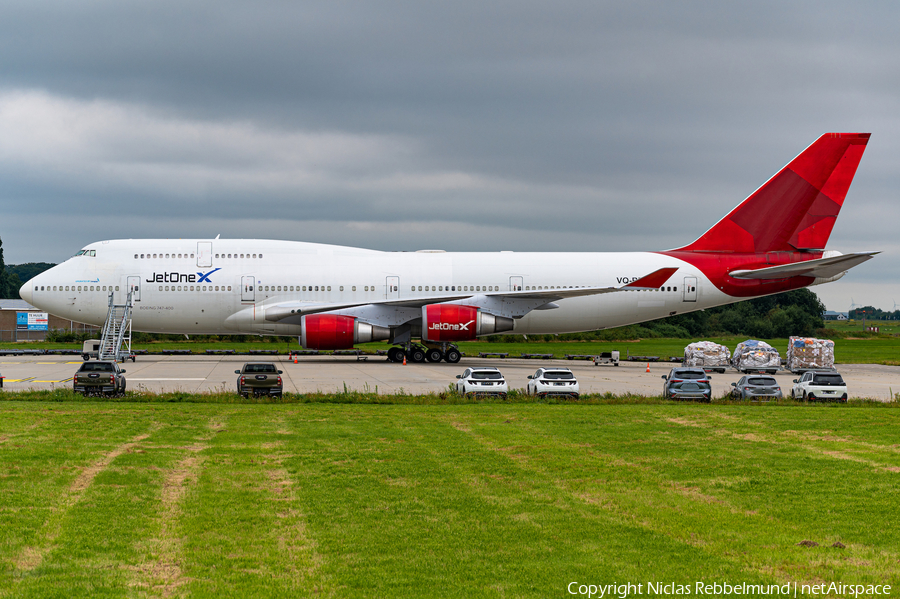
<point x="415" y="352"/>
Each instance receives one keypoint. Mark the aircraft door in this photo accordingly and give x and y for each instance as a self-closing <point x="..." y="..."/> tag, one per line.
<point x="248" y="289"/>
<point x="392" y="288"/>
<point x="516" y="283"/>
<point x="690" y="289"/>
<point x="133" y="284"/>
<point x="204" y="253"/>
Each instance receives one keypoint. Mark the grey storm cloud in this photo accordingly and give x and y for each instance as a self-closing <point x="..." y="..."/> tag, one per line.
<point x="593" y="126"/>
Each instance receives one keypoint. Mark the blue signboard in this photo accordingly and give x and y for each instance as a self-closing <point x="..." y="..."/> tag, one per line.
<point x="31" y="321"/>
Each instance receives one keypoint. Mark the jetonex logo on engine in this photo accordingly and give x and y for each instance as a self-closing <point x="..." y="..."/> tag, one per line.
<point x="449" y="326"/>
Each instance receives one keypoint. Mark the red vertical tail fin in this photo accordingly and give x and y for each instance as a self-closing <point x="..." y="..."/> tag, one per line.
<point x="795" y="209"/>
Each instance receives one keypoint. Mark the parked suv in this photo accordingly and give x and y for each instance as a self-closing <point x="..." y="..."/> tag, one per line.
<point x="259" y="378"/>
<point x="481" y="380"/>
<point x="755" y="388"/>
<point x="99" y="377"/>
<point x="552" y="381"/>
<point x="687" y="383"/>
<point x="822" y="385"/>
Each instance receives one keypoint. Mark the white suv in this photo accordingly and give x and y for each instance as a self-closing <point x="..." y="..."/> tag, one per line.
<point x="552" y="381"/>
<point x="820" y="384"/>
<point x="481" y="381"/>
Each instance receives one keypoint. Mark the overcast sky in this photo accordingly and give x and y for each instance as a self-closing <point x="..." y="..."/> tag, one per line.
<point x="587" y="126"/>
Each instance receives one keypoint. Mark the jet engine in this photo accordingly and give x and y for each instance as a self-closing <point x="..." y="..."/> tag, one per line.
<point x="331" y="331"/>
<point x="452" y="322"/>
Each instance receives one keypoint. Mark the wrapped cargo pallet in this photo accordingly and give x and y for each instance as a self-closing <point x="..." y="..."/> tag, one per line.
<point x="707" y="354"/>
<point x="807" y="353"/>
<point x="752" y="355"/>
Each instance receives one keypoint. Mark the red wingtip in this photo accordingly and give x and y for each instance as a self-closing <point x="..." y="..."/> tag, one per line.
<point x="795" y="209"/>
<point x="654" y="280"/>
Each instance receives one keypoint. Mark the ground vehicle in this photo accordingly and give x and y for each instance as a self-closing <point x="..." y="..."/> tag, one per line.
<point x="552" y="381"/>
<point x="99" y="377"/>
<point x="687" y="383"/>
<point x="820" y="384"/>
<point x="756" y="387"/>
<point x="259" y="378"/>
<point x="481" y="380"/>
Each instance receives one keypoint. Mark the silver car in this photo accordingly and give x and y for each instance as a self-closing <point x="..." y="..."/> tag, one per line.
<point x="756" y="388"/>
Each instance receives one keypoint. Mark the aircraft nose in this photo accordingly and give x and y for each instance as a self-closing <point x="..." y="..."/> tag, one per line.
<point x="25" y="291"/>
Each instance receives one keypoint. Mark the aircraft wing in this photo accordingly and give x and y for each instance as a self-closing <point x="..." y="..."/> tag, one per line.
<point x="821" y="267"/>
<point x="514" y="303"/>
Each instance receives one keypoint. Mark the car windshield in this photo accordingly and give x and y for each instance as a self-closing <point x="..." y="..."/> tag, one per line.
<point x="827" y="379"/>
<point x="763" y="381"/>
<point x="251" y="368"/>
<point x="486" y="374"/>
<point x="96" y="367"/>
<point x="689" y="374"/>
<point x="558" y="374"/>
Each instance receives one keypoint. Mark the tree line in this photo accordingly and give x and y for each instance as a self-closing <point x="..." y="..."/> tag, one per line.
<point x="871" y="313"/>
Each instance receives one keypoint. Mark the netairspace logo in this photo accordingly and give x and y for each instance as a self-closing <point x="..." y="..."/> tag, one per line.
<point x="724" y="589"/>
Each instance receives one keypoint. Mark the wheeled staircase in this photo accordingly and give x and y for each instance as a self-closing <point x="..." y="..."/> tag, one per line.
<point x="115" y="344"/>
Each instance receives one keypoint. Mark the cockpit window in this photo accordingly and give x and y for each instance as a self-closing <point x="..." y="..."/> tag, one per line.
<point x="87" y="253"/>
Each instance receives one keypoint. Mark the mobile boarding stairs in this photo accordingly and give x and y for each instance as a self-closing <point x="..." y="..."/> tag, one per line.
<point x="115" y="342"/>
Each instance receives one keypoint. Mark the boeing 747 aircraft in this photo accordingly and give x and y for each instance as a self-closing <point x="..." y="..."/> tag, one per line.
<point x="333" y="297"/>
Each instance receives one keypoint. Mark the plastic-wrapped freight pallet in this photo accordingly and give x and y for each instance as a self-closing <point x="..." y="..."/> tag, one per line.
<point x="807" y="353"/>
<point x="756" y="356"/>
<point x="707" y="355"/>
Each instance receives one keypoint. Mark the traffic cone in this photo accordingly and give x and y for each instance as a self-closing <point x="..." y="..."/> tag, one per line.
<point x="295" y="358"/>
<point x="404" y="359"/>
<point x="648" y="366"/>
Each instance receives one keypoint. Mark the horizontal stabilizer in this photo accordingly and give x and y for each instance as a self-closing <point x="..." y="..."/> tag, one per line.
<point x="819" y="268"/>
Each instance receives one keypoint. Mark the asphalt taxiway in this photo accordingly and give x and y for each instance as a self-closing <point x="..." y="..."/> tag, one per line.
<point x="199" y="374"/>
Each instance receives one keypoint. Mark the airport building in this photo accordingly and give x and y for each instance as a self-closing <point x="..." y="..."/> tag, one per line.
<point x="20" y="321"/>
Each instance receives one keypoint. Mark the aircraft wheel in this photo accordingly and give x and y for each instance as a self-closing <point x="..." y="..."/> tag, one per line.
<point x="434" y="355"/>
<point x="453" y="356"/>
<point x="417" y="354"/>
<point x="395" y="354"/>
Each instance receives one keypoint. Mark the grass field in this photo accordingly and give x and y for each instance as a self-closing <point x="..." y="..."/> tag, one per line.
<point x="106" y="499"/>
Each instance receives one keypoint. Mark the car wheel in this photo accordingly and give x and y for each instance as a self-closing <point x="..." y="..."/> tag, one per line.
<point x="434" y="355"/>
<point x="417" y="355"/>
<point x="453" y="356"/>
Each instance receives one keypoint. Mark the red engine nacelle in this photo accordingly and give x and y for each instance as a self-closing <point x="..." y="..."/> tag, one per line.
<point x="452" y="322"/>
<point x="332" y="331"/>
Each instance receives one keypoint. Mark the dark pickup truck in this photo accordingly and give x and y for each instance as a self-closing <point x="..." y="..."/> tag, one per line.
<point x="99" y="378"/>
<point x="259" y="378"/>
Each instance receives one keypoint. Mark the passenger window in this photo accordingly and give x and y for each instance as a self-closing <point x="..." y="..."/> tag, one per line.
<point x="329" y="288"/>
<point x="353" y="288"/>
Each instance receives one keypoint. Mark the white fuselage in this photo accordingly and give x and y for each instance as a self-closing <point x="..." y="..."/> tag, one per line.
<point x="199" y="286"/>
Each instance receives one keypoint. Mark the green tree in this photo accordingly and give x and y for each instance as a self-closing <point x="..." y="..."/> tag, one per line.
<point x="4" y="278"/>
